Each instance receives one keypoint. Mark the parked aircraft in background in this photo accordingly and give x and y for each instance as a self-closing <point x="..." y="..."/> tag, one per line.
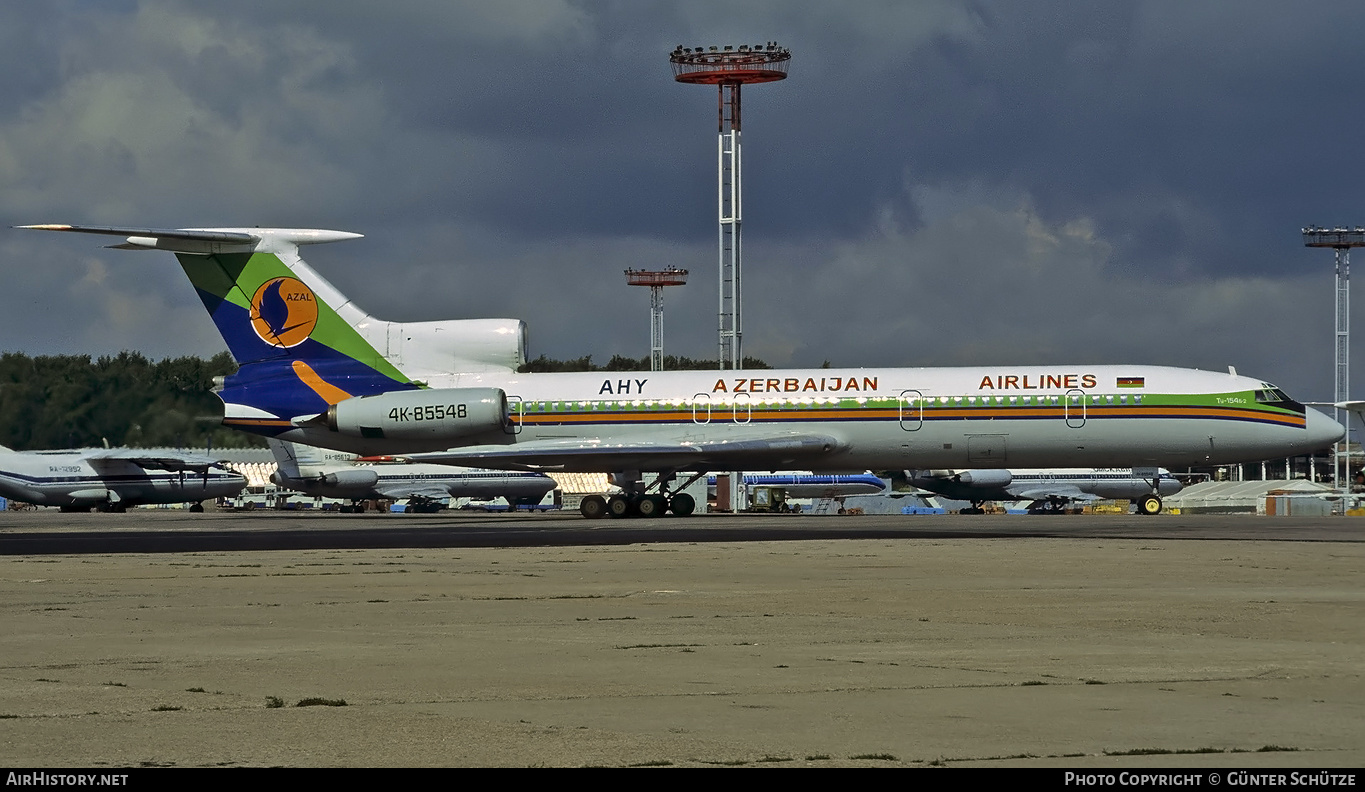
<point x="1049" y="490"/>
<point x="315" y="368"/>
<point x="112" y="479"/>
<point x="332" y="474"/>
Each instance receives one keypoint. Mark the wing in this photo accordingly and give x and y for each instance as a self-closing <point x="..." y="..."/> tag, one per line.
<point x="768" y="453"/>
<point x="145" y="458"/>
<point x="399" y="491"/>
<point x="1068" y="491"/>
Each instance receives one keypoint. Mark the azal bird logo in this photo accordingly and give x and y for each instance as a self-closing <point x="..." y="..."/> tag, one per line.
<point x="284" y="312"/>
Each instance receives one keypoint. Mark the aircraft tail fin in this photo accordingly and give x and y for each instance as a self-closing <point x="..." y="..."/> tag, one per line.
<point x="291" y="332"/>
<point x="296" y="460"/>
<point x="286" y="458"/>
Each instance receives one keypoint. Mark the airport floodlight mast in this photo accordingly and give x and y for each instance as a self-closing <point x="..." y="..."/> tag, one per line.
<point x="730" y="68"/>
<point x="656" y="280"/>
<point x="1340" y="240"/>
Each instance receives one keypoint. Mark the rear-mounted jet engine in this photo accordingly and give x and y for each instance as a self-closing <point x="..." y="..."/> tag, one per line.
<point x="444" y="414"/>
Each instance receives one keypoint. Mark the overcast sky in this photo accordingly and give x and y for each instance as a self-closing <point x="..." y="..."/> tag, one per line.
<point x="936" y="183"/>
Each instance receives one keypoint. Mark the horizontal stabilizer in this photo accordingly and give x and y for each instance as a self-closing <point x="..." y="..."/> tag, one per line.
<point x="143" y="459"/>
<point x="204" y="241"/>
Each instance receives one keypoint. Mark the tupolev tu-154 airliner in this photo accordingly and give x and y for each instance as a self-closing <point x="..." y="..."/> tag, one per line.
<point x="317" y="369"/>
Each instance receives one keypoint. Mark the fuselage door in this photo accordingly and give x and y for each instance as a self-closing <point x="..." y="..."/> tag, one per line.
<point x="1074" y="408"/>
<point x="513" y="415"/>
<point x="911" y="410"/>
<point x="986" y="450"/>
<point x="701" y="408"/>
<point x="743" y="408"/>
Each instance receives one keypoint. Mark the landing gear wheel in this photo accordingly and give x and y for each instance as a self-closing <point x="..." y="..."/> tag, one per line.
<point x="196" y="507"/>
<point x="1150" y="504"/>
<point x="683" y="505"/>
<point x="652" y="505"/>
<point x="619" y="506"/>
<point x="593" y="507"/>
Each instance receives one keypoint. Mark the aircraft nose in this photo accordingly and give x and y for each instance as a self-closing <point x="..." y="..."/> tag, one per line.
<point x="1322" y="431"/>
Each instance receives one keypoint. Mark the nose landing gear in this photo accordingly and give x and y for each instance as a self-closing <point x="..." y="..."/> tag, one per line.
<point x="1151" y="503"/>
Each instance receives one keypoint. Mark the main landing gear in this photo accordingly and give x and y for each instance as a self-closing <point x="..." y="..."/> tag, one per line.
<point x="423" y="506"/>
<point x="1047" y="506"/>
<point x="636" y="505"/>
<point x="637" y="502"/>
<point x="975" y="508"/>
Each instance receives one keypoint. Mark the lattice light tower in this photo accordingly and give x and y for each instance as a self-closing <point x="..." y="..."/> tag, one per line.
<point x="656" y="280"/>
<point x="1341" y="240"/>
<point x="730" y="68"/>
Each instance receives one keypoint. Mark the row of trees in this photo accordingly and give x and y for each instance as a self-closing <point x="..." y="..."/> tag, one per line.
<point x="71" y="401"/>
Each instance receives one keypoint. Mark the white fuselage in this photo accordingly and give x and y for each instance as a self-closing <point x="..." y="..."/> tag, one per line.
<point x="1107" y="483"/>
<point x="874" y="419"/>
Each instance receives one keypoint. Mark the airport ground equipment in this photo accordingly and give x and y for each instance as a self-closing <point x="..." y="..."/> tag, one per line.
<point x="770" y="499"/>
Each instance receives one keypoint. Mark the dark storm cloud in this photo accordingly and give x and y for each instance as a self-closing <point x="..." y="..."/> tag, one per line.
<point x="937" y="183"/>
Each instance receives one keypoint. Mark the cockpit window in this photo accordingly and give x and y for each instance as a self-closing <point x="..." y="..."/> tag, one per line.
<point x="1270" y="394"/>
